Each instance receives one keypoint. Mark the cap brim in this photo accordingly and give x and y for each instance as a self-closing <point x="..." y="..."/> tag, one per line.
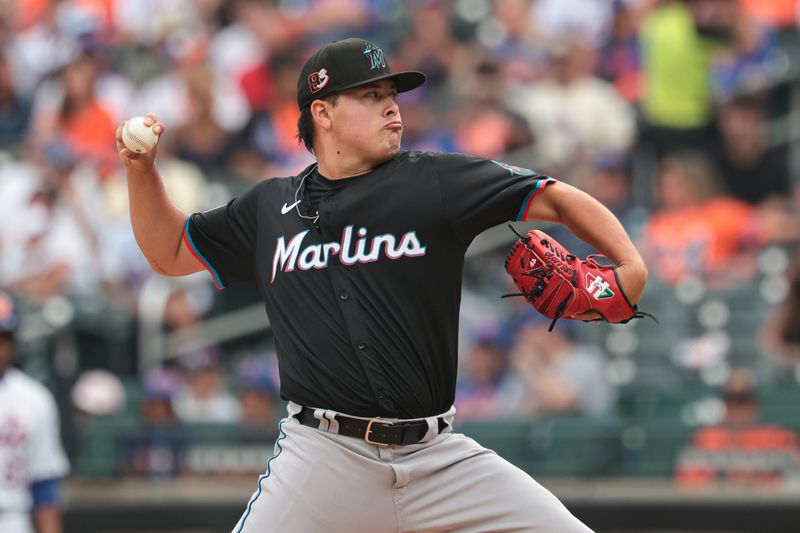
<point x="403" y="81"/>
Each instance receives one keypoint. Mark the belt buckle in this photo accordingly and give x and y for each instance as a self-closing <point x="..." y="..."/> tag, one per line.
<point x="369" y="430"/>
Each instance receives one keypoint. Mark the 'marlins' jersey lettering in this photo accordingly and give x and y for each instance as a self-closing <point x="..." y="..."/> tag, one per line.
<point x="289" y="256"/>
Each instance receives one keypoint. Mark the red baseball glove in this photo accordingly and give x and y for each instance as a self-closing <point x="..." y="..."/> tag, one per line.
<point x="559" y="285"/>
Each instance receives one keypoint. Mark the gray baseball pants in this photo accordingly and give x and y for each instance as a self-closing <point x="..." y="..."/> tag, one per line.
<point x="319" y="481"/>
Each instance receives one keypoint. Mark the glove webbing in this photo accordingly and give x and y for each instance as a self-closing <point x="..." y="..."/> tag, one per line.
<point x="543" y="272"/>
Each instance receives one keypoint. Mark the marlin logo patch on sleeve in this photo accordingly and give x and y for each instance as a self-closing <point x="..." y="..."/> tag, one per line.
<point x="599" y="288"/>
<point x="515" y="170"/>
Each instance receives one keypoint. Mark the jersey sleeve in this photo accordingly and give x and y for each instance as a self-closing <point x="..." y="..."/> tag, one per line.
<point x="480" y="193"/>
<point x="223" y="239"/>
<point x="46" y="457"/>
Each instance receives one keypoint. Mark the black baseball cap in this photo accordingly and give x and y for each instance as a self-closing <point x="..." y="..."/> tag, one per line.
<point x="345" y="64"/>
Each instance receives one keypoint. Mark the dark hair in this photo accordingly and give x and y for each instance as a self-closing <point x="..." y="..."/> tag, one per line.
<point x="305" y="124"/>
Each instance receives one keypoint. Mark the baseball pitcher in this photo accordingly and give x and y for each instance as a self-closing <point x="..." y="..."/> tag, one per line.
<point x="358" y="259"/>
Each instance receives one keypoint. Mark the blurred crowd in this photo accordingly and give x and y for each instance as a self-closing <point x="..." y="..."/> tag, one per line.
<point x="679" y="115"/>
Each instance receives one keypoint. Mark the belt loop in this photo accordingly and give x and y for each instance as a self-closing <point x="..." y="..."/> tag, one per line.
<point x="433" y="429"/>
<point x="294" y="409"/>
<point x="333" y="424"/>
<point x="448" y="418"/>
<point x="319" y="414"/>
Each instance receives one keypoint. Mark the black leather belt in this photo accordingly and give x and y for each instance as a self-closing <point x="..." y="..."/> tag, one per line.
<point x="377" y="431"/>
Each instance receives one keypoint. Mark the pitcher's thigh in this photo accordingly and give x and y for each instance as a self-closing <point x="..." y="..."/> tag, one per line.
<point x="313" y="485"/>
<point x="484" y="493"/>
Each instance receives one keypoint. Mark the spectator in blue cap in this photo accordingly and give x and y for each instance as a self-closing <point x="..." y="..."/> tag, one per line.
<point x="157" y="447"/>
<point x="258" y="394"/>
<point x="204" y="397"/>
<point x="158" y="387"/>
<point x="487" y="385"/>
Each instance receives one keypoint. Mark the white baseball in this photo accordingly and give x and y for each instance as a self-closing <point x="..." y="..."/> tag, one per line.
<point x="137" y="137"/>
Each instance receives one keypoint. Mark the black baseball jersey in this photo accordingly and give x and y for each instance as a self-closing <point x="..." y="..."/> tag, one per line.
<point x="364" y="301"/>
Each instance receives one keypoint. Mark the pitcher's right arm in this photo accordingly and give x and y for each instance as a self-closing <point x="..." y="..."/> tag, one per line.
<point x="157" y="223"/>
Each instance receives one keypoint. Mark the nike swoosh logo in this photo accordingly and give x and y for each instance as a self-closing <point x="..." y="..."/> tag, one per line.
<point x="286" y="208"/>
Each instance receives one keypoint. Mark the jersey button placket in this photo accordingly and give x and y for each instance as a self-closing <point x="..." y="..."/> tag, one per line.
<point x="359" y="339"/>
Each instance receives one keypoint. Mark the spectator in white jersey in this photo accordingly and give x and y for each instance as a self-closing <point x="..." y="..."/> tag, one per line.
<point x="32" y="460"/>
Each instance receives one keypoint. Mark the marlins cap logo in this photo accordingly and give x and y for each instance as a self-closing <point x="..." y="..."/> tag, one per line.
<point x="318" y="80"/>
<point x="375" y="55"/>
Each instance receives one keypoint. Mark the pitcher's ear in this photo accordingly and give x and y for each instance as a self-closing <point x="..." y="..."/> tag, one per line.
<point x="321" y="113"/>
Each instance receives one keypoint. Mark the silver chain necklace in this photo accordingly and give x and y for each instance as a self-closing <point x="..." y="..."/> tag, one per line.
<point x="315" y="217"/>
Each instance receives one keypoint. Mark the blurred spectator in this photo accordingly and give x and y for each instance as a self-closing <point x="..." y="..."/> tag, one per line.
<point x="70" y="111"/>
<point x="676" y="102"/>
<point x="157" y="447"/>
<point x="185" y="306"/>
<point x="271" y="92"/>
<point x="560" y="374"/>
<point x="88" y="26"/>
<point x="258" y="395"/>
<point x="521" y="57"/>
<point x="619" y="62"/>
<point x="751" y="169"/>
<point x="608" y="179"/>
<point x="49" y="235"/>
<point x="780" y="335"/>
<point x="590" y="20"/>
<point x="431" y="47"/>
<point x="782" y="14"/>
<point x="571" y="112"/>
<point x="15" y="109"/>
<point x="203" y="107"/>
<point x="39" y="47"/>
<point x="201" y="139"/>
<point x="487" y="386"/>
<point x="696" y="230"/>
<point x="32" y="459"/>
<point x="324" y="19"/>
<point x="202" y="396"/>
<point x="150" y="21"/>
<point x="235" y="47"/>
<point x="740" y="450"/>
<point x="484" y="126"/>
<point x="751" y="60"/>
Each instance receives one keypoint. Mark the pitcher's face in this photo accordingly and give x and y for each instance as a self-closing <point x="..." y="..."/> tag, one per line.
<point x="366" y="120"/>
